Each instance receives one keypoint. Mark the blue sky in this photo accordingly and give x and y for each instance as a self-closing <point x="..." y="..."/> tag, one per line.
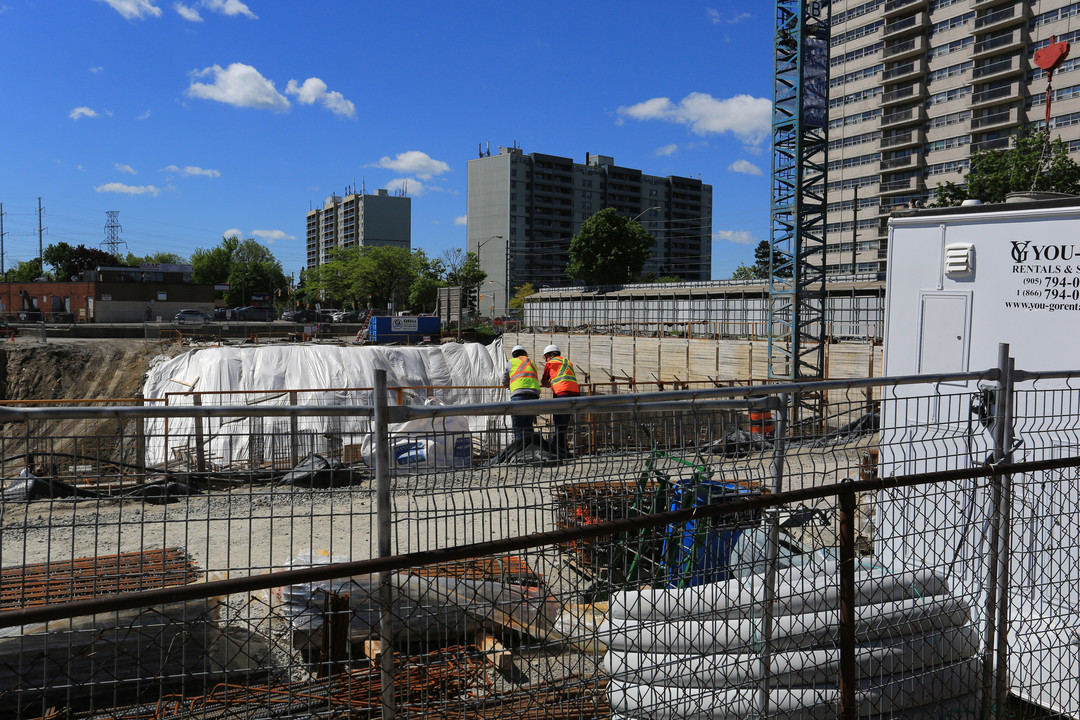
<point x="199" y="118"/>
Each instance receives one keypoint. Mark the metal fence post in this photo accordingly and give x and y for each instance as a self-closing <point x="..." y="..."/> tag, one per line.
<point x="381" y="429"/>
<point x="848" y="707"/>
<point x="200" y="451"/>
<point x="1004" y="548"/>
<point x="294" y="432"/>
<point x="987" y="689"/>
<point x="772" y="552"/>
<point x="140" y="437"/>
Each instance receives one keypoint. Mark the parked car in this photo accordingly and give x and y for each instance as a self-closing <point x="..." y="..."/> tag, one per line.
<point x="221" y="313"/>
<point x="192" y="316"/>
<point x="346" y="316"/>
<point x="303" y="316"/>
<point x="253" y="313"/>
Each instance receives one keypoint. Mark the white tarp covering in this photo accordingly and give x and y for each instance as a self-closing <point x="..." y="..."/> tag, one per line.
<point x="323" y="375"/>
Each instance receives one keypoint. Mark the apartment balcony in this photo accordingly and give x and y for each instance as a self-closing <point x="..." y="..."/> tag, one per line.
<point x="996" y="119"/>
<point x="997" y="69"/>
<point x="1001" y="44"/>
<point x="998" y="143"/>
<point x="900" y="7"/>
<point x="987" y="4"/>
<point x="911" y="116"/>
<point x="900" y="72"/>
<point x="907" y="185"/>
<point x="996" y="19"/>
<point x="995" y="96"/>
<point x="905" y="49"/>
<point x="901" y="140"/>
<point x="906" y="25"/>
<point x="900" y="163"/>
<point x="915" y="91"/>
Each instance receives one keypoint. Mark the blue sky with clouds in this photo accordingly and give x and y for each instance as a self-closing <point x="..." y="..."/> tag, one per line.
<point x="201" y="118"/>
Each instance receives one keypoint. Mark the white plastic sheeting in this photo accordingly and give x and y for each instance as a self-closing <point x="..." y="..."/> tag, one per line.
<point x="326" y="375"/>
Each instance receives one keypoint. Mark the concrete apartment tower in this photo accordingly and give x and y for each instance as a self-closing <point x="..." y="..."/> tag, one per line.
<point x="524" y="209"/>
<point x="358" y="219"/>
<point x="915" y="87"/>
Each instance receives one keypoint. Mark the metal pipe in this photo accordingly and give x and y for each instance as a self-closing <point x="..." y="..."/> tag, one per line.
<point x="200" y="450"/>
<point x="380" y="435"/>
<point x="503" y="546"/>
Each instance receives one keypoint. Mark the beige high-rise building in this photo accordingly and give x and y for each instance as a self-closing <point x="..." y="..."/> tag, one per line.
<point x="358" y="219"/>
<point x="915" y="87"/>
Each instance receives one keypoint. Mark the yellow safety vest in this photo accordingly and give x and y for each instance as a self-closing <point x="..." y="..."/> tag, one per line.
<point x="523" y="375"/>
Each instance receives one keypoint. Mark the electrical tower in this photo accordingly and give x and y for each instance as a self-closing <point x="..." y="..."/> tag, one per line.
<point x="797" y="219"/>
<point x="112" y="241"/>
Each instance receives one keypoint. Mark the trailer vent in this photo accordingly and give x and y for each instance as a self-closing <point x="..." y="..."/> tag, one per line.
<point x="960" y="260"/>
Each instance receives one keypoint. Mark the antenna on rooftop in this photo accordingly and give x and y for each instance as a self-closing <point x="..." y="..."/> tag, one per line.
<point x="112" y="240"/>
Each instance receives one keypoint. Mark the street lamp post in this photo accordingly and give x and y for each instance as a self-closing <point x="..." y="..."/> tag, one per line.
<point x="479" y="247"/>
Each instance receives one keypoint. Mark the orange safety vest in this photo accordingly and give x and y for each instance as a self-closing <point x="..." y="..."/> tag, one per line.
<point x="561" y="373"/>
<point x="523" y="375"/>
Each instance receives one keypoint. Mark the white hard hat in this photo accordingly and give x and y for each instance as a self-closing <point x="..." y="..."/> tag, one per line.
<point x="518" y="349"/>
<point x="552" y="349"/>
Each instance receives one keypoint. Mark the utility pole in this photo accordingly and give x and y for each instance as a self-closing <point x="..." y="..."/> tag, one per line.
<point x="3" y="274"/>
<point x="40" y="250"/>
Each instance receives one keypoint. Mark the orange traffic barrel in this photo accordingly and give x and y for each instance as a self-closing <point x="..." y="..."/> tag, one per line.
<point x="761" y="422"/>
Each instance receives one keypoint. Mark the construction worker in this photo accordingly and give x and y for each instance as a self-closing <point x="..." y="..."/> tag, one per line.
<point x="521" y="377"/>
<point x="560" y="377"/>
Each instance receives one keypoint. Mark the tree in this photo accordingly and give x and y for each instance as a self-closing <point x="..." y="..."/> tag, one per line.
<point x="518" y="299"/>
<point x="463" y="270"/>
<point x="762" y="262"/>
<point x="159" y="258"/>
<point x="1033" y="163"/>
<point x="69" y="262"/>
<point x="744" y="272"/>
<point x="609" y="249"/>
<point x="25" y="271"/>
<point x="246" y="265"/>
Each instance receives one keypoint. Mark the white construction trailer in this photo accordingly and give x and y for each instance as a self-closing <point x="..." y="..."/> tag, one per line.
<point x="960" y="282"/>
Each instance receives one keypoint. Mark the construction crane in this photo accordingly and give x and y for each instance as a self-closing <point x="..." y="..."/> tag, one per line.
<point x="797" y="217"/>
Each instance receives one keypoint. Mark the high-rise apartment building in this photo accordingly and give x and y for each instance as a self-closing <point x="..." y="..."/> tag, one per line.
<point x="358" y="219"/>
<point x="915" y="87"/>
<point x="523" y="211"/>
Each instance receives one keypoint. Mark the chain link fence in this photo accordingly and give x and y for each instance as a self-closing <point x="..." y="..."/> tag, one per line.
<point x="910" y="551"/>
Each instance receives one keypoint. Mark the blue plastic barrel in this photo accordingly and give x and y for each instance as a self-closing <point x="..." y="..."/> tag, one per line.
<point x="699" y="551"/>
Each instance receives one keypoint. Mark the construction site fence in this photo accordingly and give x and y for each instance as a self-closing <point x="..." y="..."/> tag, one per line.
<point x="703" y="552"/>
<point x="854" y="314"/>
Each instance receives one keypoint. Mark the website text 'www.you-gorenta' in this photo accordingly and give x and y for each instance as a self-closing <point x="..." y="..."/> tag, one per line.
<point x="1044" y="306"/>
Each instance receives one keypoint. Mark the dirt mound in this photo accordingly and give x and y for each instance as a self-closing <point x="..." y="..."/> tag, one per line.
<point x="63" y="370"/>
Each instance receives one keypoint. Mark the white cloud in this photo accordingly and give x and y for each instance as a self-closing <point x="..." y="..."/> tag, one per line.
<point x="744" y="166"/>
<point x="410" y="186"/>
<point x="239" y="85"/>
<point x="666" y="150"/>
<point x="269" y="236"/>
<point x="739" y="237"/>
<point x="83" y="111"/>
<point x="188" y="13"/>
<point x="144" y="116"/>
<point x="461" y="220"/>
<point x="748" y="118"/>
<point x="95" y="70"/>
<point x="715" y="18"/>
<point x="122" y="189"/>
<point x="125" y="168"/>
<point x="314" y="90"/>
<point x="415" y="162"/>
<point x="192" y="171"/>
<point x="229" y="7"/>
<point x="134" y="9"/>
<point x="233" y="232"/>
